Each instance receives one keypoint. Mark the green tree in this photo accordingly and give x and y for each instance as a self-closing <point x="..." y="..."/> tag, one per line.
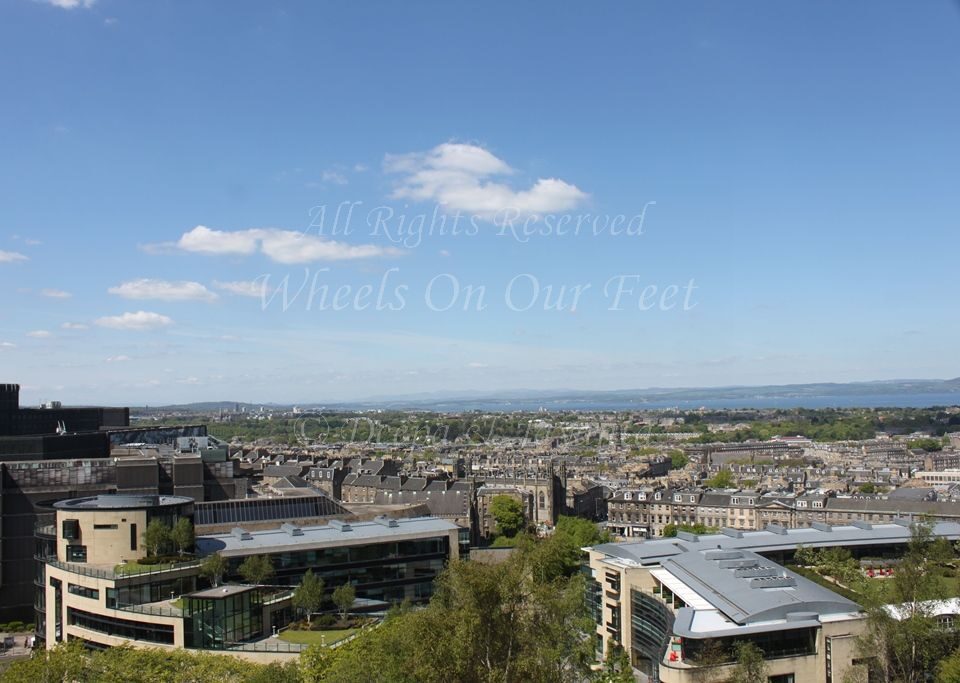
<point x="257" y="569"/>
<point x="485" y="623"/>
<point x="182" y="535"/>
<point x="309" y="594"/>
<point x="678" y="459"/>
<point x="156" y="537"/>
<point x="344" y="597"/>
<point x="721" y="480"/>
<point x="948" y="670"/>
<point x="905" y="643"/>
<point x="213" y="568"/>
<point x="508" y="514"/>
<point x="750" y="666"/>
<point x="616" y="666"/>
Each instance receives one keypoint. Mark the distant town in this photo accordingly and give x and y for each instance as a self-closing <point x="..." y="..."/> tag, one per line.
<point x="133" y="518"/>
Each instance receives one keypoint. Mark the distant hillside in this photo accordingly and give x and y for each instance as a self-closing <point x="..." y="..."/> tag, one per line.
<point x="893" y="393"/>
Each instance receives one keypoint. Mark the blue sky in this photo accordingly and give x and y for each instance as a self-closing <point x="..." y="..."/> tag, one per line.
<point x="793" y="167"/>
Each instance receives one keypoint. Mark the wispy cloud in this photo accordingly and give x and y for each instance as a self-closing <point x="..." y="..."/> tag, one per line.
<point x="163" y="290"/>
<point x="117" y="359"/>
<point x="460" y="177"/>
<point x="11" y="256"/>
<point x="39" y="334"/>
<point x="7" y="345"/>
<point x="252" y="288"/>
<point x="73" y="326"/>
<point x="335" y="177"/>
<point x="281" y="246"/>
<point x="70" y="4"/>
<point x="55" y="293"/>
<point x="139" y="321"/>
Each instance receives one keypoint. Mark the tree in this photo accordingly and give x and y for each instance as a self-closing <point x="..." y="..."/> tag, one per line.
<point x="750" y="666"/>
<point x="485" y="623"/>
<point x="721" y="480"/>
<point x="343" y="597"/>
<point x="678" y="459"/>
<point x="156" y="537"/>
<point x="309" y="594"/>
<point x="257" y="569"/>
<point x="670" y="530"/>
<point x="508" y="513"/>
<point x="213" y="568"/>
<point x="905" y="643"/>
<point x="616" y="665"/>
<point x="182" y="535"/>
<point x="948" y="670"/>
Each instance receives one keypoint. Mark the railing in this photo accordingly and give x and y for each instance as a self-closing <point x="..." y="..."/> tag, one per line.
<point x="133" y="572"/>
<point x="269" y="645"/>
<point x="152" y="609"/>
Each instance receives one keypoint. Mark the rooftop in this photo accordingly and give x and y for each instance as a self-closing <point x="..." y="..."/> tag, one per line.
<point x="652" y="552"/>
<point x="220" y="591"/>
<point x="121" y="502"/>
<point x="334" y="534"/>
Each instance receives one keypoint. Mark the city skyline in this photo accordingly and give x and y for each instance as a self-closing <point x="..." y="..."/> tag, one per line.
<point x="712" y="198"/>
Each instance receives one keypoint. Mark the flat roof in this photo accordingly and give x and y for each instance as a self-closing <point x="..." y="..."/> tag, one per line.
<point x="220" y="591"/>
<point x="112" y="501"/>
<point x="326" y="536"/>
<point x="653" y="552"/>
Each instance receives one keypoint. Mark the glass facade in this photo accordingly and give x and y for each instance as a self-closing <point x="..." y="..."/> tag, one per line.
<point x="153" y="591"/>
<point x="651" y="623"/>
<point x="266" y="509"/>
<point x="122" y="628"/>
<point x="217" y="623"/>
<point x="390" y="572"/>
<point x="773" y="644"/>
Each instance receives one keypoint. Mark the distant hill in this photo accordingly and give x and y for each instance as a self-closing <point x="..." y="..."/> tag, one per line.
<point x="893" y="393"/>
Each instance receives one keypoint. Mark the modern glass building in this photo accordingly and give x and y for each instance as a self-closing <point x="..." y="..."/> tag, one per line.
<point x="92" y="585"/>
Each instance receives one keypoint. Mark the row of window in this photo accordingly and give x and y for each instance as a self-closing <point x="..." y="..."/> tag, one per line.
<point x="122" y="628"/>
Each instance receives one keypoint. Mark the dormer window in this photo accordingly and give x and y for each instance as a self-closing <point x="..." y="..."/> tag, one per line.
<point x="626" y="496"/>
<point x="641" y="496"/>
<point x="749" y="501"/>
<point x="736" y="501"/>
<point x="657" y="497"/>
<point x="677" y="498"/>
<point x="801" y="503"/>
<point x="818" y="503"/>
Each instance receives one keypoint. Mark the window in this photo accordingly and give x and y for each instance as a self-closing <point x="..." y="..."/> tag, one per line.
<point x="104" y="526"/>
<point x="83" y="591"/>
<point x="76" y="553"/>
<point x="133" y="537"/>
<point x="782" y="678"/>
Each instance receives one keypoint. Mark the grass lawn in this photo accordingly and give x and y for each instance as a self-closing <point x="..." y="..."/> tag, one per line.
<point x="315" y="637"/>
<point x="137" y="568"/>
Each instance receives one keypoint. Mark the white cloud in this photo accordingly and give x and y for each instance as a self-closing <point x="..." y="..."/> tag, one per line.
<point x="73" y="326"/>
<point x="251" y="288"/>
<point x="70" y="4"/>
<point x="163" y="290"/>
<point x="477" y="365"/>
<point x="459" y="178"/>
<point x="139" y="321"/>
<point x="55" y="293"/>
<point x="281" y="246"/>
<point x="117" y="359"/>
<point x="39" y="334"/>
<point x="188" y="380"/>
<point x="334" y="177"/>
<point x="7" y="345"/>
<point x="11" y="256"/>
